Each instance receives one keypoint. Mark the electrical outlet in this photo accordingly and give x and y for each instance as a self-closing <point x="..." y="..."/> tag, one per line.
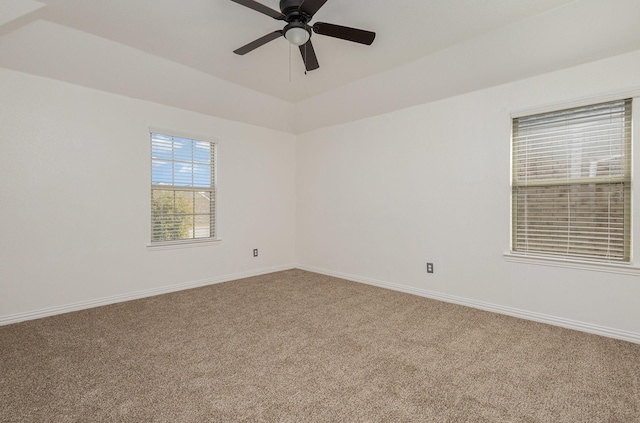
<point x="255" y="252"/>
<point x="429" y="267"/>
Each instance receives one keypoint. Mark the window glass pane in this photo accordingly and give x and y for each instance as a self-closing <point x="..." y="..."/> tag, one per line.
<point x="171" y="214"/>
<point x="201" y="175"/>
<point x="183" y="174"/>
<point x="202" y="152"/>
<point x="161" y="173"/>
<point x="161" y="149"/>
<point x="575" y="220"/>
<point x="182" y="149"/>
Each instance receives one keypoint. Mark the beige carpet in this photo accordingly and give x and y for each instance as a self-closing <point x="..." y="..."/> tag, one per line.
<point x="295" y="346"/>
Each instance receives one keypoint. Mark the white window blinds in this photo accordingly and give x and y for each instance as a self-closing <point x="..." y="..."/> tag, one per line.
<point x="571" y="182"/>
<point x="182" y="188"/>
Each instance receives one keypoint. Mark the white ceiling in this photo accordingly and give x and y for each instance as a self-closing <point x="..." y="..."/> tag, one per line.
<point x="169" y="50"/>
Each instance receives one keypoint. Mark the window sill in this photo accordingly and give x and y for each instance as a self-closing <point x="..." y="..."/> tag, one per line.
<point x="622" y="269"/>
<point x="173" y="245"/>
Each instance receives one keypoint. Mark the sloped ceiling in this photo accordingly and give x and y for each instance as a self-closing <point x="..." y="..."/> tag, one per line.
<point x="180" y="53"/>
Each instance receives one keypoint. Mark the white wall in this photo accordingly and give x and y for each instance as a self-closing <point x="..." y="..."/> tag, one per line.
<point x="75" y="198"/>
<point x="371" y="200"/>
<point x="380" y="197"/>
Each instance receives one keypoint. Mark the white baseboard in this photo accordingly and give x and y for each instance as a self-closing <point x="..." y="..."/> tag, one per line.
<point x="51" y="311"/>
<point x="523" y="314"/>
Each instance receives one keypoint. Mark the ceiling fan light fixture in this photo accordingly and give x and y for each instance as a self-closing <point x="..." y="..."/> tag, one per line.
<point x="297" y="33"/>
<point x="298" y="14"/>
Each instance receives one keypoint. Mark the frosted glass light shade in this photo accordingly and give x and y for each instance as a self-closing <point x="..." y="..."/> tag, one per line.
<point x="297" y="36"/>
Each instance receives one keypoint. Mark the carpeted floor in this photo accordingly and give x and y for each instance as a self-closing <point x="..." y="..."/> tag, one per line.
<point x="295" y="346"/>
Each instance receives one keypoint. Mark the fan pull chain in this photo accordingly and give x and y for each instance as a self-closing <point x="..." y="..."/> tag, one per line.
<point x="289" y="62"/>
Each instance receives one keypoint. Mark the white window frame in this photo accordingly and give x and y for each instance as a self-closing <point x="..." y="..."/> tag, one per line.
<point x="187" y="242"/>
<point x="540" y="260"/>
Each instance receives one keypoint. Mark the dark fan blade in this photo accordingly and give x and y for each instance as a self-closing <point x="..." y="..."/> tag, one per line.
<point x="259" y="42"/>
<point x="309" y="56"/>
<point x="261" y="8"/>
<point x="344" y="32"/>
<point x="310" y="7"/>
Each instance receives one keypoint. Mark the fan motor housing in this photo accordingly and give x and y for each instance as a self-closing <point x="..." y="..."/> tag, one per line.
<point x="291" y="9"/>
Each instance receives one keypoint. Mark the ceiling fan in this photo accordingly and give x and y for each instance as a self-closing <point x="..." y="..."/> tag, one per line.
<point x="298" y="14"/>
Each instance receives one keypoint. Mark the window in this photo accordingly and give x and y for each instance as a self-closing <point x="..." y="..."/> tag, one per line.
<point x="183" y="189"/>
<point x="571" y="183"/>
